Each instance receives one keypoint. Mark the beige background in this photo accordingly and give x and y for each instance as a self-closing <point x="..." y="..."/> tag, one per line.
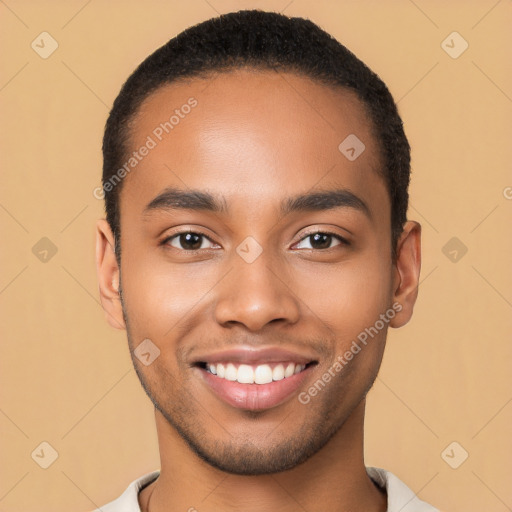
<point x="67" y="378"/>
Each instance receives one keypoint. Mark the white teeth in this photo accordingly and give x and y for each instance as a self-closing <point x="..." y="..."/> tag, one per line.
<point x="278" y="373"/>
<point x="260" y="374"/>
<point x="263" y="374"/>
<point x="289" y="370"/>
<point x="231" y="372"/>
<point x="245" y="374"/>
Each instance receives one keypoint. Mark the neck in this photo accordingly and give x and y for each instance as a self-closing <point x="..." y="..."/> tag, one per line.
<point x="336" y="473"/>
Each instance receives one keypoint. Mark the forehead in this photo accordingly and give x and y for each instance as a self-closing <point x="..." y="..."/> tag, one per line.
<point x="251" y="136"/>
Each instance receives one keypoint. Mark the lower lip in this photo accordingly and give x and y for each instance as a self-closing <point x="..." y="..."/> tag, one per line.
<point x="254" y="397"/>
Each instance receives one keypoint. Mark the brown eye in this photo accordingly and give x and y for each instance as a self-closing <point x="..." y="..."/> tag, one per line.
<point x="322" y="240"/>
<point x="187" y="241"/>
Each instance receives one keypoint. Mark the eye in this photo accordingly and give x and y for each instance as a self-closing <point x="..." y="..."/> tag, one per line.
<point x="187" y="240"/>
<point x="195" y="240"/>
<point x="321" y="240"/>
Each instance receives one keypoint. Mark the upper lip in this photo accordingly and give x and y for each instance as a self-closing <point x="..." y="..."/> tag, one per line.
<point x="250" y="355"/>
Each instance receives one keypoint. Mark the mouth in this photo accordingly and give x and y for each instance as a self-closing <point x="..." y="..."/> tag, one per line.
<point x="254" y="380"/>
<point x="259" y="374"/>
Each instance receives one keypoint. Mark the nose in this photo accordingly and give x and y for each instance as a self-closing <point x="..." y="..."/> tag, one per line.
<point x="254" y="294"/>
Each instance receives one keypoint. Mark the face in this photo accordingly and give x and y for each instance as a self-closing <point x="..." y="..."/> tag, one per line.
<point x="253" y="248"/>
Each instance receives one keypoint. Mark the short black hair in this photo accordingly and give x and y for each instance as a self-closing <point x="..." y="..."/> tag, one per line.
<point x="265" y="41"/>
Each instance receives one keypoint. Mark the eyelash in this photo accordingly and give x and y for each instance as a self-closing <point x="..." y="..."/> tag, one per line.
<point x="342" y="240"/>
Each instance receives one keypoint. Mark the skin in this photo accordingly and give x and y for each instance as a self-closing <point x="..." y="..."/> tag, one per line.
<point x="257" y="137"/>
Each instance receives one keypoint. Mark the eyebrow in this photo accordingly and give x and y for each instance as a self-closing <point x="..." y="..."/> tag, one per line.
<point x="179" y="199"/>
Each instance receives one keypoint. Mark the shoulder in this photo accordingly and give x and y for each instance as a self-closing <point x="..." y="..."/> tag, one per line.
<point x="400" y="497"/>
<point x="128" y="501"/>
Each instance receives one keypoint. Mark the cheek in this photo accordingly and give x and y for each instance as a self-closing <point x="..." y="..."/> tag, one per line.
<point x="160" y="297"/>
<point x="348" y="296"/>
<point x="349" y="300"/>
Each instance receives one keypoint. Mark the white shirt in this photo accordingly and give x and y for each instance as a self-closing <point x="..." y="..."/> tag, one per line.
<point x="400" y="497"/>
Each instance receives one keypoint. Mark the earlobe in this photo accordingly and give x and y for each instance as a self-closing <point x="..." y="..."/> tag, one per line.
<point x="406" y="272"/>
<point x="108" y="275"/>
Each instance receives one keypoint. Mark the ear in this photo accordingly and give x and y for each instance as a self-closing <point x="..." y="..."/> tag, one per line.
<point x="406" y="272"/>
<point x="108" y="275"/>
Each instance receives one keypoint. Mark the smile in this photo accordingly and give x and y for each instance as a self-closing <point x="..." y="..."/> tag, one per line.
<point x="254" y="387"/>
<point x="254" y="374"/>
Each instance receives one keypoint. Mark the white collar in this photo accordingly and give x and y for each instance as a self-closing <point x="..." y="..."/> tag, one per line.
<point x="400" y="497"/>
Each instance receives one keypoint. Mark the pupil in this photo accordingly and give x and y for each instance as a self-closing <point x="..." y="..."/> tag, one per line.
<point x="186" y="242"/>
<point x="318" y="237"/>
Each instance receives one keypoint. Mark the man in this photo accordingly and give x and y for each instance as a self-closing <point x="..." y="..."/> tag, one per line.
<point x="256" y="250"/>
